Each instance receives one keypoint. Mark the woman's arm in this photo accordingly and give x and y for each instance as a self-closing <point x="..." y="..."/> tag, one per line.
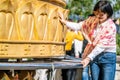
<point x="71" y="25"/>
<point x="96" y="51"/>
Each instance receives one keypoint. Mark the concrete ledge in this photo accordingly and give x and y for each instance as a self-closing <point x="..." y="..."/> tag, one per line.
<point x="118" y="59"/>
<point x="117" y="68"/>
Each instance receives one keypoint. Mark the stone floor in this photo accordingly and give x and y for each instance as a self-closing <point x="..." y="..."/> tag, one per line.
<point x="117" y="75"/>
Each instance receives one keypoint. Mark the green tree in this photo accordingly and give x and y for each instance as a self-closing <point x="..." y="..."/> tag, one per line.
<point x="118" y="43"/>
<point x="85" y="7"/>
<point x="116" y="6"/>
<point x="80" y="7"/>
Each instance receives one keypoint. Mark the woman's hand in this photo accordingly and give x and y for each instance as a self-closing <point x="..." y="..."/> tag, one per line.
<point x="62" y="19"/>
<point x="85" y="62"/>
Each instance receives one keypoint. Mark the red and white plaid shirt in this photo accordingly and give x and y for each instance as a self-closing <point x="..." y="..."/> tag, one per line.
<point x="104" y="34"/>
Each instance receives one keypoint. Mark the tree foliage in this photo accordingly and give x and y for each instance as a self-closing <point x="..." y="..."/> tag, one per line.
<point x="85" y="7"/>
<point x="80" y="7"/>
<point x="118" y="43"/>
<point x="116" y="6"/>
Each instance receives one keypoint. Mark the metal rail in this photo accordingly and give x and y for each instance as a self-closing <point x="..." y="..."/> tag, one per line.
<point x="41" y="64"/>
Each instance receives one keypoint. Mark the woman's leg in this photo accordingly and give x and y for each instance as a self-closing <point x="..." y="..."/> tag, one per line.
<point x="107" y="71"/>
<point x="95" y="70"/>
<point x="104" y="66"/>
<point x="85" y="73"/>
<point x="108" y="66"/>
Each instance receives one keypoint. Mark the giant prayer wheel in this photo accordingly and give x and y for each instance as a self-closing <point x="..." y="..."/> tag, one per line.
<point x="31" y="28"/>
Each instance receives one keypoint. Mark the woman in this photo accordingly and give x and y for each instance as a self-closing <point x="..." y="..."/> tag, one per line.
<point x="102" y="39"/>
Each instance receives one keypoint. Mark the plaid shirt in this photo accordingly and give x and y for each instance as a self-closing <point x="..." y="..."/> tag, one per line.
<point x="106" y="34"/>
<point x="104" y="37"/>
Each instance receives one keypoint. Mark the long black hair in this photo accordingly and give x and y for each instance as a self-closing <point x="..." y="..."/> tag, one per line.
<point x="104" y="6"/>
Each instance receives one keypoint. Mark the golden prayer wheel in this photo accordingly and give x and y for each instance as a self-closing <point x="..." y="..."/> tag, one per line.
<point x="31" y="28"/>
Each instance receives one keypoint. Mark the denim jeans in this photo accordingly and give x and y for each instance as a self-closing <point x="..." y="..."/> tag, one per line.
<point x="85" y="73"/>
<point x="103" y="67"/>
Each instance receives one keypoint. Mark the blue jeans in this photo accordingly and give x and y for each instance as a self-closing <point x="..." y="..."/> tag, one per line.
<point x="85" y="73"/>
<point x="103" y="67"/>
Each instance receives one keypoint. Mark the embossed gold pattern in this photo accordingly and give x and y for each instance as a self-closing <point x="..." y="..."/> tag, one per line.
<point x="31" y="28"/>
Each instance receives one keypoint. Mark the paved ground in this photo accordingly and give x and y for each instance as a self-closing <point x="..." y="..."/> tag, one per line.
<point x="117" y="76"/>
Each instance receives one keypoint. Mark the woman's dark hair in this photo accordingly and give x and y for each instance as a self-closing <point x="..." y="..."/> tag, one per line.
<point x="91" y="15"/>
<point x="104" y="6"/>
